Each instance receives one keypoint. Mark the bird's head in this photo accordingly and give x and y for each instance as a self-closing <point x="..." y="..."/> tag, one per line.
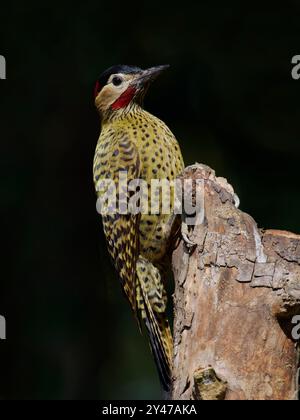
<point x="121" y="86"/>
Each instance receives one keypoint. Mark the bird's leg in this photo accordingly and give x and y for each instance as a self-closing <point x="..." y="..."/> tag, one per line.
<point x="185" y="231"/>
<point x="185" y="236"/>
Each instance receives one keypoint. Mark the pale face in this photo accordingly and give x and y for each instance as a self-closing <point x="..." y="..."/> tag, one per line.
<point x="121" y="86"/>
<point x="115" y="87"/>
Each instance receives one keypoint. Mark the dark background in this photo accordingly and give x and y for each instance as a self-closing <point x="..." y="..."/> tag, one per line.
<point x="231" y="101"/>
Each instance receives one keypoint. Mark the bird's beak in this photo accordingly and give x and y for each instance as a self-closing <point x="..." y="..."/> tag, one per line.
<point x="147" y="76"/>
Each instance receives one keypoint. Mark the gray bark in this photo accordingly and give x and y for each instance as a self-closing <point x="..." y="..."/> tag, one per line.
<point x="235" y="295"/>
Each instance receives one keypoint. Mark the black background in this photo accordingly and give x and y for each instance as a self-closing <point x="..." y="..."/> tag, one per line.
<point x="231" y="101"/>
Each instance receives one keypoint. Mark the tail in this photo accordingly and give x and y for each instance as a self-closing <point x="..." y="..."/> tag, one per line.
<point x="151" y="302"/>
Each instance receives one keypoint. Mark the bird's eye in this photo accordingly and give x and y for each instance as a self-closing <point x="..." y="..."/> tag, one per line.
<point x="117" y="80"/>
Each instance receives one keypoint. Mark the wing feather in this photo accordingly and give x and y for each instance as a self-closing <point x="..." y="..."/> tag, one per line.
<point x="121" y="230"/>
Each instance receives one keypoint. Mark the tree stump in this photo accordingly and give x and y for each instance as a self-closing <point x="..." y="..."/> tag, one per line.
<point x="235" y="295"/>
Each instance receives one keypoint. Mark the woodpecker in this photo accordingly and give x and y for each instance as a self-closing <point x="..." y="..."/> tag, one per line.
<point x="132" y="139"/>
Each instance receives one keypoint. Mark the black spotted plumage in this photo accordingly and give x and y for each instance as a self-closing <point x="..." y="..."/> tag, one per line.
<point x="131" y="139"/>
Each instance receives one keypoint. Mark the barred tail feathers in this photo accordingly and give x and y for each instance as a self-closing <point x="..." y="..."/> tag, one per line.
<point x="151" y="302"/>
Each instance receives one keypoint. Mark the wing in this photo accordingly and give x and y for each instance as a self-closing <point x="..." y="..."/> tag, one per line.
<point x="121" y="230"/>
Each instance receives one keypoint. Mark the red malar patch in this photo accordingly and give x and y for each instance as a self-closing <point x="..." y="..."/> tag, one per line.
<point x="124" y="99"/>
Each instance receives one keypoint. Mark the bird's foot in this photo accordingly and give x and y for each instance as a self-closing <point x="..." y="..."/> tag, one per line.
<point x="185" y="236"/>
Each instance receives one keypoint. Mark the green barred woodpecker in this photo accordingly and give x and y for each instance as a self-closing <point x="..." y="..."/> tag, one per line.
<point x="137" y="142"/>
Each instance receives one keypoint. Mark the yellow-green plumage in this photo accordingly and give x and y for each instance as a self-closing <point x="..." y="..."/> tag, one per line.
<point x="136" y="141"/>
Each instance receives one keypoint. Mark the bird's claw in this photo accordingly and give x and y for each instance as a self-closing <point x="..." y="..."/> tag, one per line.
<point x="185" y="236"/>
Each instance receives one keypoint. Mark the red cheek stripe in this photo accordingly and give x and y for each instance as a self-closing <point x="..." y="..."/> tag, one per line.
<point x="124" y="99"/>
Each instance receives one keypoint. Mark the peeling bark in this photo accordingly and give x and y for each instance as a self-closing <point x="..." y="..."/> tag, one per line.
<point x="235" y="295"/>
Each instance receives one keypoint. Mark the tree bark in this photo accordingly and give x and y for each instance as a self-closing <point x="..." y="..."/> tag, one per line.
<point x="235" y="295"/>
